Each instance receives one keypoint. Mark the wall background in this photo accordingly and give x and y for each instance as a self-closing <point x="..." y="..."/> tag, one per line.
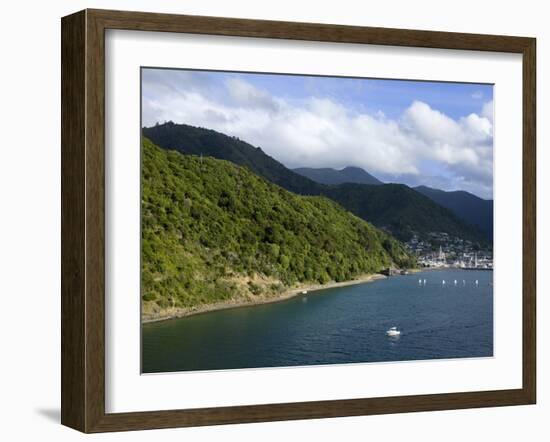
<point x="30" y="216"/>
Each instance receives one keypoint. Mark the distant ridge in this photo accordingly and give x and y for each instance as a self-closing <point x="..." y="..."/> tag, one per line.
<point x="471" y="208"/>
<point x="400" y="210"/>
<point x="468" y="207"/>
<point x="332" y="176"/>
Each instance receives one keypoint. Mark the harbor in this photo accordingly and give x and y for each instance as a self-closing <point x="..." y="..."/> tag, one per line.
<point x="441" y="250"/>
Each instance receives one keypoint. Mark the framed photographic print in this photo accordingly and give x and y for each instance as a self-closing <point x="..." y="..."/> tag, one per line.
<point x="270" y="220"/>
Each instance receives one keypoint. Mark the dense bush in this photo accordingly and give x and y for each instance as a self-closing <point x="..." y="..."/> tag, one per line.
<point x="208" y="225"/>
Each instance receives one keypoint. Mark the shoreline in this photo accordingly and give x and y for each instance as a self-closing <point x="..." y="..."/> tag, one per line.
<point x="287" y="294"/>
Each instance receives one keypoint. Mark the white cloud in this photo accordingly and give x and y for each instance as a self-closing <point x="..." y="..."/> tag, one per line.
<point x="244" y="94"/>
<point x="320" y="132"/>
<point x="487" y="110"/>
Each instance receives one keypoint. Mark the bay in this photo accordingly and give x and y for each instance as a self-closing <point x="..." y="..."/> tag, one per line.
<point x="335" y="326"/>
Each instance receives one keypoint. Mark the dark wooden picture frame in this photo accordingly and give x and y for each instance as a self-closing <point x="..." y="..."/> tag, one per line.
<point x="83" y="220"/>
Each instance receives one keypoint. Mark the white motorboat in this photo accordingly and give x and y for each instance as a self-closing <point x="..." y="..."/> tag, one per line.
<point x="393" y="332"/>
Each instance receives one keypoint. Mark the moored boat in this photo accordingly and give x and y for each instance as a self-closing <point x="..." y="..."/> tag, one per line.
<point x="393" y="332"/>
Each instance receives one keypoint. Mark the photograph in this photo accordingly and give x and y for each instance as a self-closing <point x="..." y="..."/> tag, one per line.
<point x="300" y="220"/>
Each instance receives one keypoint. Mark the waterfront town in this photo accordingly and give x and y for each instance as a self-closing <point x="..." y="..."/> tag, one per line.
<point x="440" y="250"/>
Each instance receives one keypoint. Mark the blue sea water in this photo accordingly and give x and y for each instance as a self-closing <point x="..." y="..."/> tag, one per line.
<point x="335" y="326"/>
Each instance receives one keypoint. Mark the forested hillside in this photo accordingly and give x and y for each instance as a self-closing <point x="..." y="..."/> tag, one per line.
<point x="400" y="210"/>
<point x="472" y="209"/>
<point x="201" y="141"/>
<point x="213" y="231"/>
<point x="397" y="208"/>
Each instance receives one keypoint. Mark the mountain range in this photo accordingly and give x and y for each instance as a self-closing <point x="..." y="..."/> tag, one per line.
<point x="332" y="176"/>
<point x="470" y="208"/>
<point x="396" y="208"/>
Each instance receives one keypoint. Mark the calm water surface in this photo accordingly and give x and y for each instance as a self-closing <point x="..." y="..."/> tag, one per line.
<point x="334" y="326"/>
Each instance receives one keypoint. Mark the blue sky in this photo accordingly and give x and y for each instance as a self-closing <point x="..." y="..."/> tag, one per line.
<point x="432" y="133"/>
<point x="389" y="96"/>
